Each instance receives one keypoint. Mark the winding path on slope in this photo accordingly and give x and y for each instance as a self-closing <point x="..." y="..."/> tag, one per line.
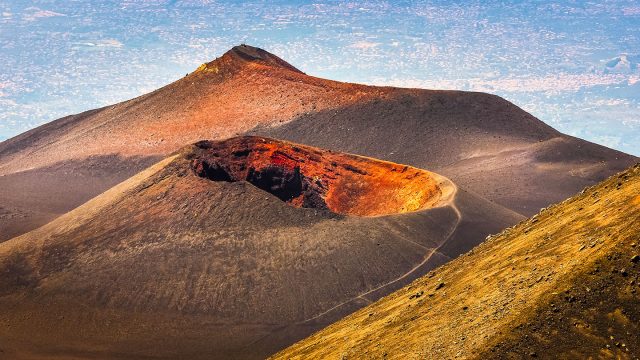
<point x="450" y="202"/>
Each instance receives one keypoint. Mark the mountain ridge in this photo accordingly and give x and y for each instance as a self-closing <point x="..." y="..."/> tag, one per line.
<point x="244" y="55"/>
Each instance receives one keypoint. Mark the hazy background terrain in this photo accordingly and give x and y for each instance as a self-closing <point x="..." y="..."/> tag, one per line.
<point x="573" y="64"/>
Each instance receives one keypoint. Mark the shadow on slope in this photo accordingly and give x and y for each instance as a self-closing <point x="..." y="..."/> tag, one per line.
<point x="31" y="198"/>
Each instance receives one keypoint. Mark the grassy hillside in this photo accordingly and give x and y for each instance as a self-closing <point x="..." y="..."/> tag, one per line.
<point x="563" y="284"/>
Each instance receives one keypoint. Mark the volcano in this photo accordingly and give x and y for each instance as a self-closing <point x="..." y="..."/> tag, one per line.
<point x="232" y="249"/>
<point x="247" y="205"/>
<point x="482" y="142"/>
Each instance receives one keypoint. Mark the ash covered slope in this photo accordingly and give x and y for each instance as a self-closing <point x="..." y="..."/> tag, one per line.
<point x="563" y="284"/>
<point x="482" y="142"/>
<point x="186" y="260"/>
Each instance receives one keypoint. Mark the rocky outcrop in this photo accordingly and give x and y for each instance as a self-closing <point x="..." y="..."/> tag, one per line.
<point x="313" y="178"/>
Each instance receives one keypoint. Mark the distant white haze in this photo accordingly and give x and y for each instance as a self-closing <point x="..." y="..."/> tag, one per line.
<point x="573" y="64"/>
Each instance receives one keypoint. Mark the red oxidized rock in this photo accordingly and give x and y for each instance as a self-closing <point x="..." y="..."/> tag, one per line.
<point x="313" y="178"/>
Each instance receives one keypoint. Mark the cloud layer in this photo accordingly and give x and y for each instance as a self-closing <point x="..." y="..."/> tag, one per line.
<point x="572" y="64"/>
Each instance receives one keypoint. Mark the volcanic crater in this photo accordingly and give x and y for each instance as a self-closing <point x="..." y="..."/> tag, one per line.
<point x="309" y="177"/>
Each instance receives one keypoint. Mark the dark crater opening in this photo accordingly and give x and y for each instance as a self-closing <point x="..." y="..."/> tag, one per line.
<point x="308" y="177"/>
<point x="283" y="183"/>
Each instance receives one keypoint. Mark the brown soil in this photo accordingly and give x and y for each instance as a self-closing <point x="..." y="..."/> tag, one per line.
<point x="169" y="264"/>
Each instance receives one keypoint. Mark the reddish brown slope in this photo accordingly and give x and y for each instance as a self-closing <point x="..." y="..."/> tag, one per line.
<point x="234" y="93"/>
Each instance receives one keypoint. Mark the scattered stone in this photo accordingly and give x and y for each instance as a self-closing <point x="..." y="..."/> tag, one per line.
<point x="635" y="259"/>
<point x="440" y="286"/>
<point x="623" y="272"/>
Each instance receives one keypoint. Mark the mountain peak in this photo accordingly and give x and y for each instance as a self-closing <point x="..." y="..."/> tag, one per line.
<point x="242" y="55"/>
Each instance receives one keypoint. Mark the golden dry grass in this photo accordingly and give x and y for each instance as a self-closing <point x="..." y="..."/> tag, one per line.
<point x="507" y="290"/>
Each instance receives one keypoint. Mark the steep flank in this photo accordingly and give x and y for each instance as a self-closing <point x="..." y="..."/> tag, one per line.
<point x="563" y="284"/>
<point x="173" y="264"/>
